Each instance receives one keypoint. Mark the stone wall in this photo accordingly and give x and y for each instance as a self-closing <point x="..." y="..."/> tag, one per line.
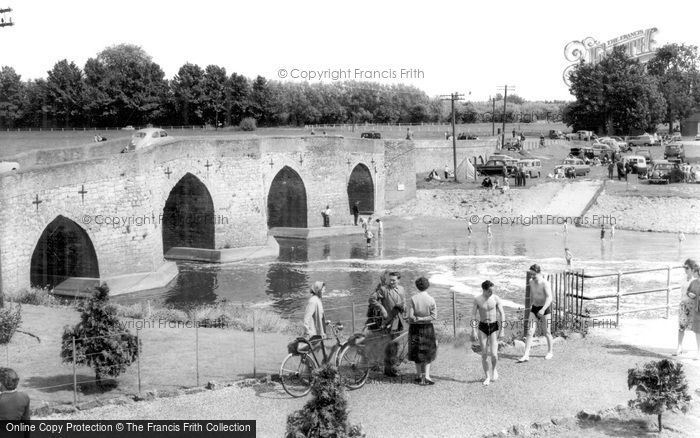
<point x="435" y="154"/>
<point x="400" y="183"/>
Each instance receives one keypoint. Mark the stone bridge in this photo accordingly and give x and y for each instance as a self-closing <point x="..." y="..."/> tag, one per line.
<point x="118" y="217"/>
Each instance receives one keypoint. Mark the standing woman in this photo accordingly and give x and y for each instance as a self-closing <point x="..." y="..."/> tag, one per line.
<point x="314" y="322"/>
<point x="686" y="308"/>
<point x="422" y="345"/>
<point x="694" y="294"/>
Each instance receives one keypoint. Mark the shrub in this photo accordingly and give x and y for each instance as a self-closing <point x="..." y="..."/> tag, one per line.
<point x="326" y="414"/>
<point x="34" y="296"/>
<point x="100" y="342"/>
<point x="660" y="386"/>
<point x="248" y="124"/>
<point x="10" y="319"/>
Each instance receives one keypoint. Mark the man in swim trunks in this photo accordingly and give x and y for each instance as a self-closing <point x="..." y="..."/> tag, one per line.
<point x="487" y="305"/>
<point x="540" y="313"/>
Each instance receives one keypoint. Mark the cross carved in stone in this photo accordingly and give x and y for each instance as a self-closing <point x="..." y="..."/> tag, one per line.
<point x="168" y="172"/>
<point x="37" y="202"/>
<point x="82" y="192"/>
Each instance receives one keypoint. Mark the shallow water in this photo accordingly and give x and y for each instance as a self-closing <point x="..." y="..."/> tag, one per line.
<point x="436" y="248"/>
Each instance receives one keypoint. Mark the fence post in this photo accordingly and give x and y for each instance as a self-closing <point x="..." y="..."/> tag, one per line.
<point x="138" y="358"/>
<point x="196" y="348"/>
<point x="668" y="291"/>
<point x="255" y="333"/>
<point x="617" y="305"/>
<point x="454" y="314"/>
<point x="75" y="378"/>
<point x="353" y="317"/>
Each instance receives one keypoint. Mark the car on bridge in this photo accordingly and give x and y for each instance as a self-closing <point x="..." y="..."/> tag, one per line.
<point x="8" y="166"/>
<point x="467" y="136"/>
<point x="556" y="135"/>
<point x="579" y="166"/>
<point x="373" y="135"/>
<point x="144" y="138"/>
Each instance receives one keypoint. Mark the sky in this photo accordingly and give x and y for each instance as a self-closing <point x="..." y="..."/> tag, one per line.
<point x="442" y="47"/>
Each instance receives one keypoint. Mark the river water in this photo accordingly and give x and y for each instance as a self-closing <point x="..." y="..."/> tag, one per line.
<point x="436" y="248"/>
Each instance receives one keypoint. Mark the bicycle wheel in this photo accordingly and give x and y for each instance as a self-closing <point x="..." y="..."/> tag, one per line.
<point x="353" y="367"/>
<point x="295" y="374"/>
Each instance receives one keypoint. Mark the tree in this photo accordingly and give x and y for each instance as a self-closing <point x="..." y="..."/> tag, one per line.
<point x="660" y="386"/>
<point x="676" y="69"/>
<point x="100" y="342"/>
<point x="124" y="86"/>
<point x="214" y="93"/>
<point x="11" y="97"/>
<point x="326" y="414"/>
<point x="189" y="94"/>
<point x="64" y="90"/>
<point x="615" y="96"/>
<point x="237" y="98"/>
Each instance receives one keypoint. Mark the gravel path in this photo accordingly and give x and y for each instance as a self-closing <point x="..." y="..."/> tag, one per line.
<point x="589" y="373"/>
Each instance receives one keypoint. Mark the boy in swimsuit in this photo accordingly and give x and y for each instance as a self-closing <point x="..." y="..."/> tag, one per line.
<point x="487" y="305"/>
<point x="540" y="313"/>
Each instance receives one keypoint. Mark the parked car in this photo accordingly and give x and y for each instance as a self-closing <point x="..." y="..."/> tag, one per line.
<point x="664" y="172"/>
<point x="581" y="135"/>
<point x="614" y="144"/>
<point x="510" y="161"/>
<point x="373" y="134"/>
<point x="144" y="138"/>
<point x="646" y="153"/>
<point x="639" y="164"/>
<point x="531" y="167"/>
<point x="466" y="136"/>
<point x="8" y="166"/>
<point x="128" y="128"/>
<point x="580" y="167"/>
<point x="643" y="140"/>
<point x="676" y="136"/>
<point x="674" y="152"/>
<point x="600" y="149"/>
<point x="495" y="167"/>
<point x="624" y="146"/>
<point x="697" y="137"/>
<point x="513" y="144"/>
<point x="584" y="152"/>
<point x="556" y="135"/>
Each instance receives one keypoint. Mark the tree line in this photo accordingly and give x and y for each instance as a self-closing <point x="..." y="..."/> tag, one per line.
<point x="122" y="86"/>
<point x="619" y="95"/>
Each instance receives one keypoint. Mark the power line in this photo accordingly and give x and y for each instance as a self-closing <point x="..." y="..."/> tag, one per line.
<point x="505" y="99"/>
<point x="452" y="97"/>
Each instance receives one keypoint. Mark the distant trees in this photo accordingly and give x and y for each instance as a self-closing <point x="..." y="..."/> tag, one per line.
<point x="619" y="95"/>
<point x="122" y="85"/>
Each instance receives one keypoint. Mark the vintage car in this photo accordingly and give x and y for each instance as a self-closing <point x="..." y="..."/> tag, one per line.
<point x="610" y="142"/>
<point x="467" y="136"/>
<point x="584" y="152"/>
<point x="556" y="135"/>
<point x="496" y="167"/>
<point x="646" y="153"/>
<point x="532" y="167"/>
<point x="510" y="161"/>
<point x="144" y="138"/>
<point x="373" y="134"/>
<point x="582" y="135"/>
<point x="513" y="144"/>
<point x="639" y="164"/>
<point x="600" y="149"/>
<point x="674" y="152"/>
<point x="579" y="166"/>
<point x="624" y="146"/>
<point x="643" y="140"/>
<point x="664" y="172"/>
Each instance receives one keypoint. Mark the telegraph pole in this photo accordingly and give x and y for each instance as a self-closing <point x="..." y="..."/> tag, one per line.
<point x="452" y="97"/>
<point x="505" y="98"/>
<point x="4" y="23"/>
<point x="493" y="116"/>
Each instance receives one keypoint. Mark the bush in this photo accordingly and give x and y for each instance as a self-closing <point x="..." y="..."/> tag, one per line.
<point x="248" y="124"/>
<point x="100" y="342"/>
<point x="34" y="296"/>
<point x="660" y="386"/>
<point x="10" y="319"/>
<point x="326" y="414"/>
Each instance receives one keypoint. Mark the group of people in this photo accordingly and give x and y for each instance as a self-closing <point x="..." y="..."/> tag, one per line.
<point x="390" y="313"/>
<point x="689" y="309"/>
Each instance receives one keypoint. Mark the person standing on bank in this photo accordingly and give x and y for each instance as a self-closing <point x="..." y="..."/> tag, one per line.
<point x="356" y="211"/>
<point x="422" y="345"/>
<point x="686" y="309"/>
<point x="327" y="216"/>
<point x="391" y="301"/>
<point x="569" y="257"/>
<point x="14" y="405"/>
<point x="540" y="312"/>
<point x="487" y="307"/>
<point x="314" y="319"/>
<point x="380" y="228"/>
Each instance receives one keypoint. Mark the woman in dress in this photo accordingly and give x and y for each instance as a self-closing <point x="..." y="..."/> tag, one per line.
<point x="694" y="294"/>
<point x="422" y="345"/>
<point x="685" y="310"/>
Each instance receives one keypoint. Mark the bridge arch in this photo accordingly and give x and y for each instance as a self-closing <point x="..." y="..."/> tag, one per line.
<point x="286" y="200"/>
<point x="63" y="250"/>
<point x="361" y="189"/>
<point x="188" y="216"/>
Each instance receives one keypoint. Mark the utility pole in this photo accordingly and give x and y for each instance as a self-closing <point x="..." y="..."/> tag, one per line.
<point x="505" y="98"/>
<point x="493" y="116"/>
<point x="4" y="23"/>
<point x="452" y="97"/>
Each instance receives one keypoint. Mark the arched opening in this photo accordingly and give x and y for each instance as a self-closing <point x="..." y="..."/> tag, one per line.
<point x="188" y="216"/>
<point x="361" y="189"/>
<point x="64" y="250"/>
<point x="286" y="201"/>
